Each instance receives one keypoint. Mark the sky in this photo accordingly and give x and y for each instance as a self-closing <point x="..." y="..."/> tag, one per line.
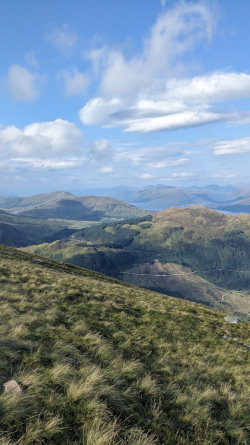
<point x="121" y="92"/>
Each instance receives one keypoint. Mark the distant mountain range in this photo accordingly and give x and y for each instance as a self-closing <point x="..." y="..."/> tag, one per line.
<point x="214" y="197"/>
<point x="160" y="197"/>
<point x="121" y="202"/>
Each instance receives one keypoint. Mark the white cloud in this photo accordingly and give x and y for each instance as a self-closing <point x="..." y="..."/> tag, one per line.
<point x="75" y="82"/>
<point x="98" y="110"/>
<point x="97" y="56"/>
<point x="31" y="59"/>
<point x="225" y="174"/>
<point x="173" y="34"/>
<point x="131" y="90"/>
<point x="182" y="175"/>
<point x="62" y="38"/>
<point x="22" y="83"/>
<point x="232" y="147"/>
<point x="168" y="163"/>
<point x="146" y="176"/>
<point x="106" y="169"/>
<point x="147" y="93"/>
<point x="101" y="150"/>
<point x="151" y="155"/>
<point x="45" y="163"/>
<point x="179" y="104"/>
<point x="42" y="139"/>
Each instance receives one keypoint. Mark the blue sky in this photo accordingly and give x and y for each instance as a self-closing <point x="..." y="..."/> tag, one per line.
<point x="121" y="92"/>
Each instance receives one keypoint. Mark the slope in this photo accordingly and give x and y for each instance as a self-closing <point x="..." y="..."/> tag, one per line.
<point x="19" y="231"/>
<point x="97" y="361"/>
<point x="214" y="245"/>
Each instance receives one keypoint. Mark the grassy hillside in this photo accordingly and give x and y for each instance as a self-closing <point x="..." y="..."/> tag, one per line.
<point x="102" y="363"/>
<point x="213" y="245"/>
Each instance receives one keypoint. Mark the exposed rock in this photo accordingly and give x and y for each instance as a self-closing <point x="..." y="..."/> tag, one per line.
<point x="232" y="319"/>
<point x="11" y="387"/>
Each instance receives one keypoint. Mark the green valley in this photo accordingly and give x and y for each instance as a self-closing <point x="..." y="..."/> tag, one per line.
<point x="209" y="251"/>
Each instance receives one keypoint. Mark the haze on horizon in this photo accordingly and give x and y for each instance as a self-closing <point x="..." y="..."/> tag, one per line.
<point x="104" y="94"/>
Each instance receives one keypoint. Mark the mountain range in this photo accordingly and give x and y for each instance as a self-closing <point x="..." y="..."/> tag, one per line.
<point x="160" y="197"/>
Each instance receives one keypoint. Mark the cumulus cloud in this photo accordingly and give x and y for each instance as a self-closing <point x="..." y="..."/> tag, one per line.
<point x="232" y="147"/>
<point x="76" y="83"/>
<point x="131" y="89"/>
<point x="41" y="139"/>
<point x="173" y="34"/>
<point x="98" y="110"/>
<point x="62" y="38"/>
<point x="149" y="93"/>
<point x="22" y="83"/>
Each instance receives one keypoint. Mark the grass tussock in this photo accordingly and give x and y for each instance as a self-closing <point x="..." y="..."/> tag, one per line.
<point x="103" y="363"/>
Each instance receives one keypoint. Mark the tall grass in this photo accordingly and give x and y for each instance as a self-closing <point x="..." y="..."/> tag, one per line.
<point x="102" y="363"/>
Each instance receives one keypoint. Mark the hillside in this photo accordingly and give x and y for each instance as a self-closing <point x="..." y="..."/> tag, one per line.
<point x="19" y="231"/>
<point x="96" y="361"/>
<point x="213" y="245"/>
<point x="63" y="205"/>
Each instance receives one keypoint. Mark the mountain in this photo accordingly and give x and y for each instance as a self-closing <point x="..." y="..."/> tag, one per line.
<point x="240" y="203"/>
<point x="161" y="197"/>
<point x="86" y="359"/>
<point x="209" y="251"/>
<point x="63" y="205"/>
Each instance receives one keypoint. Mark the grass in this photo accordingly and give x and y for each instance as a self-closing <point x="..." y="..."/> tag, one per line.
<point x="101" y="362"/>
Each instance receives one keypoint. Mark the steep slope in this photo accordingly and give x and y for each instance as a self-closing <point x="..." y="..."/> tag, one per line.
<point x="96" y="361"/>
<point x="213" y="245"/>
